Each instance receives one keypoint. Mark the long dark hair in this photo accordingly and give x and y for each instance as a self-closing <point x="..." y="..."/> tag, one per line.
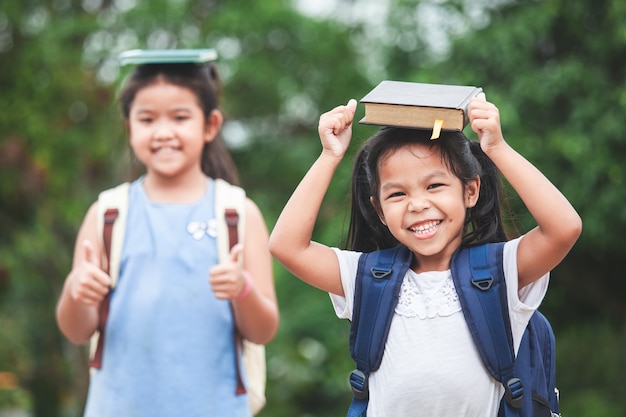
<point x="464" y="158"/>
<point x="203" y="80"/>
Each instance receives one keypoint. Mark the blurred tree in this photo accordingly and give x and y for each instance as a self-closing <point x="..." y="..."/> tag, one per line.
<point x="53" y="119"/>
<point x="553" y="67"/>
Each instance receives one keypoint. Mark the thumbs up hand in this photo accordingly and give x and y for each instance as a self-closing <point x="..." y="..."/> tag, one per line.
<point x="88" y="283"/>
<point x="228" y="279"/>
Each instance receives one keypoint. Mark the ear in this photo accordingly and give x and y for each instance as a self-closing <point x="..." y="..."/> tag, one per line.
<point x="213" y="125"/>
<point x="472" y="190"/>
<point x="378" y="210"/>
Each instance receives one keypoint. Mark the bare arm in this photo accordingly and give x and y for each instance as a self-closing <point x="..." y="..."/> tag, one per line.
<point x="85" y="286"/>
<point x="558" y="223"/>
<point x="290" y="241"/>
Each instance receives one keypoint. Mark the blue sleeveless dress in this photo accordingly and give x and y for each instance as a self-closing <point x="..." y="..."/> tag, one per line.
<point x="169" y="347"/>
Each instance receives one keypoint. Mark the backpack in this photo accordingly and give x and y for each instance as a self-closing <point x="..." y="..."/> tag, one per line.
<point x="529" y="379"/>
<point x="230" y="211"/>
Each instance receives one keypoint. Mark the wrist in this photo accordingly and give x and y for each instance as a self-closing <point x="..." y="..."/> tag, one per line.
<point x="327" y="156"/>
<point x="247" y="286"/>
<point x="493" y="150"/>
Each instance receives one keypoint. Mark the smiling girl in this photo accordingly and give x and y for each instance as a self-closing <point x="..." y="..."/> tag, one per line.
<point x="433" y="197"/>
<point x="169" y="347"/>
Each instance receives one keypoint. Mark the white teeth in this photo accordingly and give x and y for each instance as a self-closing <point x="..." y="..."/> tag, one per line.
<point x="425" y="227"/>
<point x="167" y="149"/>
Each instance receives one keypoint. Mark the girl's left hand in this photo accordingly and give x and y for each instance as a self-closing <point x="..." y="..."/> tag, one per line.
<point x="484" y="118"/>
<point x="227" y="279"/>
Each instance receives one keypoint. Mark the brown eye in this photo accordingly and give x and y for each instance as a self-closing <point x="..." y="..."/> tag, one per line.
<point x="394" y="195"/>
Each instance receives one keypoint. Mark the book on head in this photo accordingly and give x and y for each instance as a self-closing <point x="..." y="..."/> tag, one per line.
<point x="418" y="105"/>
<point x="167" y="56"/>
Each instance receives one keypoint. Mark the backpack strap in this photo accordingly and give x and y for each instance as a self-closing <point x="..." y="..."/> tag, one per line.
<point x="230" y="215"/>
<point x="536" y="362"/>
<point x="479" y="280"/>
<point x="230" y="228"/>
<point x="378" y="281"/>
<point x="111" y="225"/>
<point x="547" y="344"/>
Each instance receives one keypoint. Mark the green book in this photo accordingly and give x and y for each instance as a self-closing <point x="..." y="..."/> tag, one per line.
<point x="167" y="56"/>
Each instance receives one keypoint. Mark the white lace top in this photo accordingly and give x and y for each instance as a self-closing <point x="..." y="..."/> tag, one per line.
<point x="428" y="295"/>
<point x="431" y="366"/>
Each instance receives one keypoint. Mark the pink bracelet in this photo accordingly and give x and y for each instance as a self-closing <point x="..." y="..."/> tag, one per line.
<point x="247" y="287"/>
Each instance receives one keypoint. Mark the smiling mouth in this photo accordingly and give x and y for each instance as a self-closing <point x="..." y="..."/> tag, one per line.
<point x="426" y="227"/>
<point x="164" y="150"/>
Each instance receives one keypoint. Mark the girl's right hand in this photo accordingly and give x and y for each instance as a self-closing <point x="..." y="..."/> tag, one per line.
<point x="335" y="129"/>
<point x="89" y="284"/>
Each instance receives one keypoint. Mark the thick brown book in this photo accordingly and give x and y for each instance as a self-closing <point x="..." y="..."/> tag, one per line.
<point x="418" y="105"/>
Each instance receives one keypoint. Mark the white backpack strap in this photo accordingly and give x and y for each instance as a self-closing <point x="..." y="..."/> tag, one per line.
<point x="114" y="198"/>
<point x="228" y="196"/>
<point x="113" y="208"/>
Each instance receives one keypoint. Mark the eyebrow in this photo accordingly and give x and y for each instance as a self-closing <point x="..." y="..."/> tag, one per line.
<point x="149" y="110"/>
<point x="435" y="174"/>
<point x="438" y="173"/>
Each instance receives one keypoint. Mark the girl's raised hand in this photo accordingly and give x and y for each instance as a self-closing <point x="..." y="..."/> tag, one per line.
<point x="484" y="118"/>
<point x="335" y="129"/>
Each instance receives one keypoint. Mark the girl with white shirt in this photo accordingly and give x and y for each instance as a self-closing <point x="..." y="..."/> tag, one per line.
<point x="432" y="196"/>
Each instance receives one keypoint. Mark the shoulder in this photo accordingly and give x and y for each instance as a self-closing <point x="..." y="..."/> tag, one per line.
<point x="114" y="197"/>
<point x="252" y="208"/>
<point x="92" y="215"/>
<point x="88" y="231"/>
<point x="253" y="214"/>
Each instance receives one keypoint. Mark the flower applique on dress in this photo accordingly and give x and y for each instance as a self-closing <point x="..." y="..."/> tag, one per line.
<point x="428" y="295"/>
<point x="198" y="230"/>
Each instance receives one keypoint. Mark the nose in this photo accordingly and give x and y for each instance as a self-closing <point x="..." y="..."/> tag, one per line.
<point x="418" y="202"/>
<point x="163" y="131"/>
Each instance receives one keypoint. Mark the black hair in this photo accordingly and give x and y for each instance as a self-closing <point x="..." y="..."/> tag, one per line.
<point x="463" y="157"/>
<point x="203" y="80"/>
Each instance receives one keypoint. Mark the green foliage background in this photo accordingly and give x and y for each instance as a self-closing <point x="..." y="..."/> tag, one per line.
<point x="555" y="68"/>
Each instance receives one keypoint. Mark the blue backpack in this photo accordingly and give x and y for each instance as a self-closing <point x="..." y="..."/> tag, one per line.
<point x="529" y="379"/>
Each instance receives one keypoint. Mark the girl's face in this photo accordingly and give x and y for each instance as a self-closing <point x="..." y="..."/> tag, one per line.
<point x="168" y="129"/>
<point x="423" y="204"/>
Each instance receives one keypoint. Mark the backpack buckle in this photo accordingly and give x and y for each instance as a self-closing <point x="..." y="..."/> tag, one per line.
<point x="359" y="384"/>
<point x="483" y="284"/>
<point x="380" y="273"/>
<point x="514" y="392"/>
